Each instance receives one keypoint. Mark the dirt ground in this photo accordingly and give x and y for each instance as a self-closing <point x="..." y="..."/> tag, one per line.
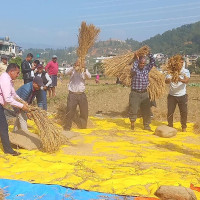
<point x="111" y="100"/>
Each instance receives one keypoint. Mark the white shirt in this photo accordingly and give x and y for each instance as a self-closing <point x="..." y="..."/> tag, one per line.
<point x="77" y="79"/>
<point x="179" y="89"/>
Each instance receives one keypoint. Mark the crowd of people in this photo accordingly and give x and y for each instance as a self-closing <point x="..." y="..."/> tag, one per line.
<point x="39" y="79"/>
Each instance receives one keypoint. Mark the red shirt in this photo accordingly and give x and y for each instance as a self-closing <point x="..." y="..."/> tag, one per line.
<point x="52" y="68"/>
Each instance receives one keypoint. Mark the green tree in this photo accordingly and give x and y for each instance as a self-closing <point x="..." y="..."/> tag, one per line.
<point x="17" y="60"/>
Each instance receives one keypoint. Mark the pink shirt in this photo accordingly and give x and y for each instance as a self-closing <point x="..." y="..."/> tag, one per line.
<point x="7" y="91"/>
<point x="52" y="68"/>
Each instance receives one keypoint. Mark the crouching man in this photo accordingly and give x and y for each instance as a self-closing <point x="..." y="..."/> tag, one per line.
<point x="27" y="93"/>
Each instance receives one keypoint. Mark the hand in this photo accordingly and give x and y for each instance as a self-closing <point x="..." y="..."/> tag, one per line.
<point x="45" y="87"/>
<point x="29" y="116"/>
<point x="25" y="107"/>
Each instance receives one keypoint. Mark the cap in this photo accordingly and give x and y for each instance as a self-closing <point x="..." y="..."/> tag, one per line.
<point x="4" y="57"/>
<point x="54" y="56"/>
<point x="40" y="66"/>
<point x="38" y="80"/>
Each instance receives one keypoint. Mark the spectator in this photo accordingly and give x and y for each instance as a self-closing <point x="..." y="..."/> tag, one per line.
<point x="8" y="96"/>
<point x="27" y="93"/>
<point x="27" y="69"/>
<point x="3" y="64"/>
<point x="52" y="69"/>
<point x="46" y="81"/>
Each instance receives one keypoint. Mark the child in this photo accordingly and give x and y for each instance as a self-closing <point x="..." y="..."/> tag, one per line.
<point x="46" y="81"/>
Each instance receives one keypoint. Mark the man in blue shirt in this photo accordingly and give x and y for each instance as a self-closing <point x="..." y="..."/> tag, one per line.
<point x="27" y="92"/>
<point x="139" y="97"/>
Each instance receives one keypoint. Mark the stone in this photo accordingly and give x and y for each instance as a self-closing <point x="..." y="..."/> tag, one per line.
<point x="175" y="193"/>
<point x="165" y="131"/>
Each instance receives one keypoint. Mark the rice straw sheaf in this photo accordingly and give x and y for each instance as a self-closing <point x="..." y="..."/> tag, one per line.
<point x="120" y="66"/>
<point x="49" y="133"/>
<point x="156" y="87"/>
<point x="86" y="39"/>
<point x="174" y="66"/>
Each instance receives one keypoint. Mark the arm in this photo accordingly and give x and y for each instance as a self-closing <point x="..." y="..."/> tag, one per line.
<point x="69" y="71"/>
<point x="152" y="62"/>
<point x="47" y="67"/>
<point x="9" y="94"/>
<point x="185" y="80"/>
<point x="133" y="69"/>
<point x="24" y="69"/>
<point x="48" y="79"/>
<point x="87" y="74"/>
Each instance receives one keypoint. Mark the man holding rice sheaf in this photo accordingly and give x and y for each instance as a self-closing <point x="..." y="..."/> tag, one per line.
<point x="77" y="95"/>
<point x="139" y="96"/>
<point x="178" y="76"/>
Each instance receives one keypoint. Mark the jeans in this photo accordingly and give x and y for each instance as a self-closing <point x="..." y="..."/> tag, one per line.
<point x="41" y="97"/>
<point x="4" y="132"/>
<point x="172" y="101"/>
<point x="140" y="101"/>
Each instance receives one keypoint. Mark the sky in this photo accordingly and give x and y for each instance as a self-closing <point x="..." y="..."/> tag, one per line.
<point x="50" y="23"/>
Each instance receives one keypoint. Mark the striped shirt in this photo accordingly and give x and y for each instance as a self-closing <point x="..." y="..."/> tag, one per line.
<point x="140" y="77"/>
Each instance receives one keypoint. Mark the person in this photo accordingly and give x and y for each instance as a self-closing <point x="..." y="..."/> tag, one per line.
<point x="139" y="97"/>
<point x="35" y="64"/>
<point x="46" y="81"/>
<point x="52" y="69"/>
<point x="27" y="69"/>
<point x="3" y="64"/>
<point x="97" y="78"/>
<point x="177" y="95"/>
<point x="77" y="96"/>
<point x="27" y="93"/>
<point x="8" y="96"/>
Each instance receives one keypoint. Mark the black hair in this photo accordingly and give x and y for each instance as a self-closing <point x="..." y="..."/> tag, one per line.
<point x="30" y="55"/>
<point x="12" y="67"/>
<point x="37" y="62"/>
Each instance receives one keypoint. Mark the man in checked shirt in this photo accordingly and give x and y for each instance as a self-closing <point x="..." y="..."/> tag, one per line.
<point x="139" y="97"/>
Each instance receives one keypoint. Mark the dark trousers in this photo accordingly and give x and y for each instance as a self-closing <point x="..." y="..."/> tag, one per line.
<point x="4" y="132"/>
<point x="140" y="101"/>
<point x="27" y="80"/>
<point x="172" y="101"/>
<point x="73" y="100"/>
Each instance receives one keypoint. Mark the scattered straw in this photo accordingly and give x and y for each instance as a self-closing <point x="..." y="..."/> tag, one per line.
<point x="174" y="67"/>
<point x="86" y="39"/>
<point x="49" y="133"/>
<point x="156" y="86"/>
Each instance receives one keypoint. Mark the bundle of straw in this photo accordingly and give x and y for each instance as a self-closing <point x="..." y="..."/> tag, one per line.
<point x="50" y="134"/>
<point x="120" y="66"/>
<point x="86" y="39"/>
<point x="156" y="87"/>
<point x="174" y="67"/>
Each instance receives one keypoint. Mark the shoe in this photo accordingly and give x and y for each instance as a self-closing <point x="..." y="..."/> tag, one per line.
<point x="184" y="130"/>
<point x="14" y="153"/>
<point x="132" y="126"/>
<point x="147" y="128"/>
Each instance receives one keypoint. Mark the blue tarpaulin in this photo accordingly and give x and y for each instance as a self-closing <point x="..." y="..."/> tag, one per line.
<point x="21" y="190"/>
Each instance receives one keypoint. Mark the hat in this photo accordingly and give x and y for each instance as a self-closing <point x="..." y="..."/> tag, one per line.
<point x="38" y="80"/>
<point x="40" y="66"/>
<point x="4" y="57"/>
<point x="54" y="56"/>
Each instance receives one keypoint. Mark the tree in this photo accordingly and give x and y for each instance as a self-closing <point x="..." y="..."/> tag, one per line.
<point x="17" y="60"/>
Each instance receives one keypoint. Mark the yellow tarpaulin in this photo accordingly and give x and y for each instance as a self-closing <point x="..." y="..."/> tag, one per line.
<point x="111" y="158"/>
